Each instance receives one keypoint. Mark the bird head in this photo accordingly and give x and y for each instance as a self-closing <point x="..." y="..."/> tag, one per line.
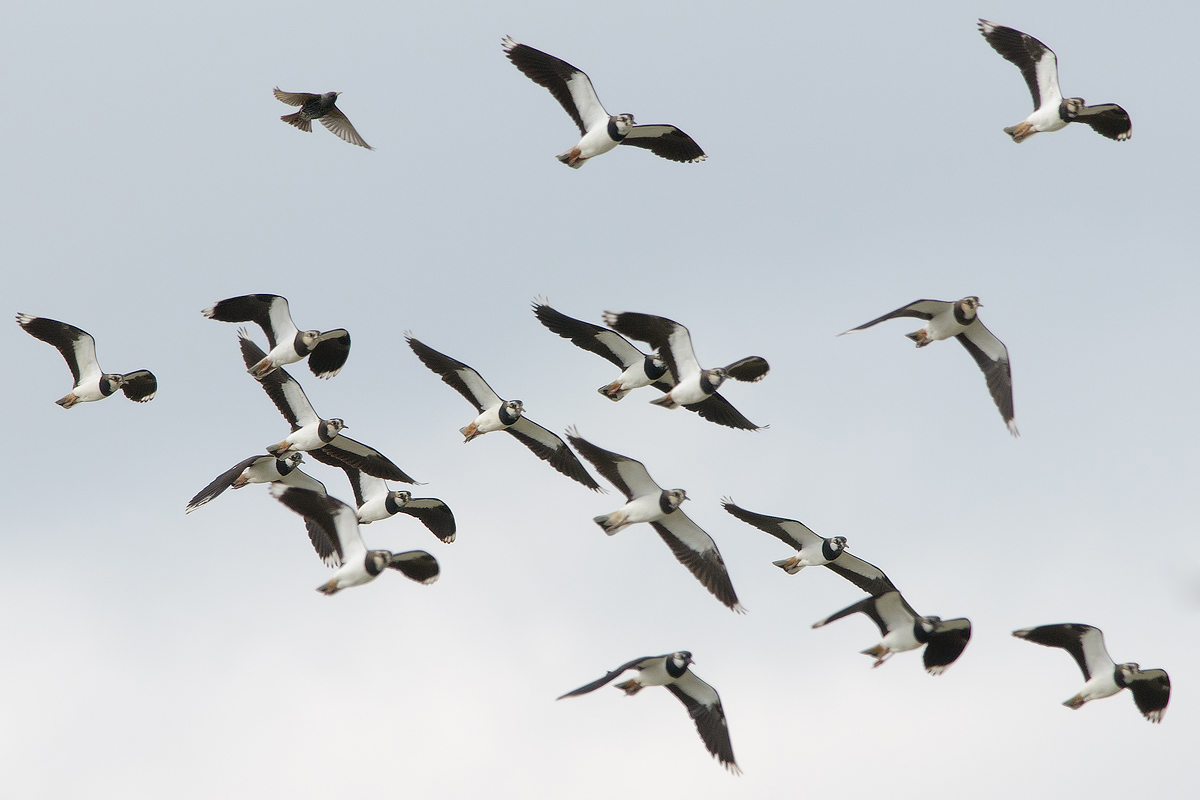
<point x="336" y="425"/>
<point x="837" y="543"/>
<point x="310" y="338"/>
<point x="1073" y="105"/>
<point x="624" y="123"/>
<point x="675" y="498"/>
<point x="514" y="407"/>
<point x="969" y="306"/>
<point x="400" y="498"/>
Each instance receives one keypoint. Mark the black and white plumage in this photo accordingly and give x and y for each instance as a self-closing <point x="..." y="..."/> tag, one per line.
<point x="319" y="107"/>
<point x="696" y="387"/>
<point x="601" y="131"/>
<point x="903" y="628"/>
<point x="319" y="437"/>
<point x="78" y="348"/>
<point x="1151" y="688"/>
<point x="960" y="320"/>
<point x="258" y="469"/>
<point x="326" y="352"/>
<point x="649" y="502"/>
<point x="813" y="550"/>
<point x="377" y="502"/>
<point x="1051" y="111"/>
<point x="638" y="369"/>
<point x="355" y="564"/>
<point x="702" y="701"/>
<point x="496" y="414"/>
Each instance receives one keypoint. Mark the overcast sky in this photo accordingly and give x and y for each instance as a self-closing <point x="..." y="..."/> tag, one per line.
<point x="856" y="163"/>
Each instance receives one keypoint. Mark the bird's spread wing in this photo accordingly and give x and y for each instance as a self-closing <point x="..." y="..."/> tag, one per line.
<point x="1151" y="690"/>
<point x="748" y="369"/>
<point x="920" y="309"/>
<point x="696" y="550"/>
<point x="862" y="574"/>
<point x="221" y="483"/>
<point x="140" y="385"/>
<point x="992" y="357"/>
<point x="669" y="338"/>
<point x="344" y="450"/>
<point x="946" y="644"/>
<point x="550" y="448"/>
<point x="1084" y="642"/>
<point x="1037" y="62"/>
<point x="434" y="515"/>
<point x="77" y="346"/>
<point x="457" y="375"/>
<point x="865" y="606"/>
<point x="337" y="520"/>
<point x="704" y="706"/>
<point x="608" y="677"/>
<point x="267" y="311"/>
<point x="666" y="141"/>
<point x="792" y="533"/>
<point x="607" y="344"/>
<point x="1107" y="119"/>
<point x="340" y="126"/>
<point x="570" y="86"/>
<point x="364" y="486"/>
<point x="629" y="476"/>
<point x="329" y="355"/>
<point x="294" y="98"/>
<point x="302" y="480"/>
<point x="417" y="565"/>
<point x="715" y="408"/>
<point x="281" y="387"/>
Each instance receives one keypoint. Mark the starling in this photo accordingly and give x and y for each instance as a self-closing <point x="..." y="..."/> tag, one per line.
<point x="319" y="106"/>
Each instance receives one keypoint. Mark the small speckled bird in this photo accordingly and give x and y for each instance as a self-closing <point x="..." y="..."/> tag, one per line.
<point x="323" y="108"/>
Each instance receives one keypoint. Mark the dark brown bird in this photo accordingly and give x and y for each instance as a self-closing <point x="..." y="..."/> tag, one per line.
<point x="319" y="107"/>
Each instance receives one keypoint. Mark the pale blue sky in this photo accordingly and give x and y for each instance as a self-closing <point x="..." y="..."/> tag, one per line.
<point x="856" y="163"/>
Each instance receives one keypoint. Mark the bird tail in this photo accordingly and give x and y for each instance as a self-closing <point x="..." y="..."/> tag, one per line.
<point x="295" y="120"/>
<point x="1075" y="703"/>
<point x="789" y="565"/>
<point x="613" y="391"/>
<point x="1020" y="132"/>
<point x="469" y="431"/>
<point x="919" y="337"/>
<point x="571" y="158"/>
<point x="68" y="401"/>
<point x="609" y="523"/>
<point x="665" y="401"/>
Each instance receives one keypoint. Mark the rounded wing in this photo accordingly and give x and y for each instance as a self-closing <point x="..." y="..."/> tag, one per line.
<point x="335" y="519"/>
<point x="282" y="388"/>
<point x="1085" y="643"/>
<point x="920" y="309"/>
<point x="551" y="449"/>
<point x="330" y="353"/>
<point x="434" y="515"/>
<point x="222" y="482"/>
<point x="416" y="565"/>
<point x="268" y="311"/>
<point x="77" y="346"/>
<point x="992" y="357"/>
<point x="696" y="550"/>
<point x="1107" y="119"/>
<point x="946" y="643"/>
<point x="715" y="408"/>
<point x="1151" y="690"/>
<point x="1037" y="63"/>
<point x="704" y="706"/>
<point x="629" y="476"/>
<point x="669" y="338"/>
<point x="571" y="86"/>
<point x="609" y="345"/>
<point x="457" y="375"/>
<point x="140" y="386"/>
<point x="637" y="663"/>
<point x="666" y="141"/>
<point x="795" y="534"/>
